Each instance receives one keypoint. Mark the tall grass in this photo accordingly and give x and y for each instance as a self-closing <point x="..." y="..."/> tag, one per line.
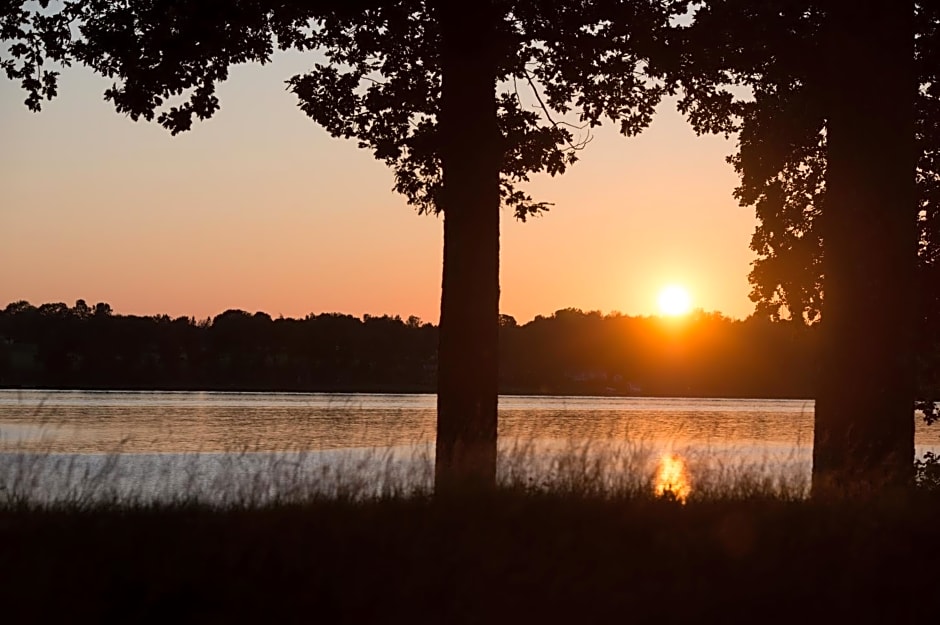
<point x="601" y="468"/>
<point x="578" y="531"/>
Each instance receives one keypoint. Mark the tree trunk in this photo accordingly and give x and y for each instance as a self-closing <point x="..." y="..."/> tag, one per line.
<point x="467" y="351"/>
<point x="864" y="429"/>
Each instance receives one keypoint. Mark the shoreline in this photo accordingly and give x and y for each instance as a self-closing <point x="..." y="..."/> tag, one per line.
<point x="357" y="390"/>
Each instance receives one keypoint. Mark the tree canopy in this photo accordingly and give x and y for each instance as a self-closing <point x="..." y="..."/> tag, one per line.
<point x="764" y="79"/>
<point x="560" y="71"/>
<point x="430" y="88"/>
<point x="563" y="67"/>
<point x="834" y="100"/>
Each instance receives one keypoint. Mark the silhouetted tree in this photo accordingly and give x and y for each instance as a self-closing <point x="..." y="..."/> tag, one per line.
<point x="433" y="89"/>
<point x="430" y="87"/>
<point x="864" y="430"/>
<point x="470" y="157"/>
<point x="826" y="155"/>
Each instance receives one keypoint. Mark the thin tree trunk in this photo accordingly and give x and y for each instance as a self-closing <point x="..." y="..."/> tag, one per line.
<point x="864" y="429"/>
<point x="467" y="351"/>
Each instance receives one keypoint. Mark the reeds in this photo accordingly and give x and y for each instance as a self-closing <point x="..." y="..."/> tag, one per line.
<point x="576" y="531"/>
<point x="599" y="468"/>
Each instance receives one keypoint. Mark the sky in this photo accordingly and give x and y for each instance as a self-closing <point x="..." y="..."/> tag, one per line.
<point x="259" y="208"/>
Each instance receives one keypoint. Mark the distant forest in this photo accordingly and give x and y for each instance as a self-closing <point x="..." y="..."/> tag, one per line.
<point x="569" y="352"/>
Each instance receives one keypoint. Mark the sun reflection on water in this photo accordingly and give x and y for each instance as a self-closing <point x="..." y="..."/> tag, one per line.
<point x="672" y="478"/>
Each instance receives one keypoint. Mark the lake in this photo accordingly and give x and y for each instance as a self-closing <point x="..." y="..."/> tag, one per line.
<point x="55" y="442"/>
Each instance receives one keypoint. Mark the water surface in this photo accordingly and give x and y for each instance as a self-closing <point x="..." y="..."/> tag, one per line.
<point x="106" y="421"/>
<point x="255" y="446"/>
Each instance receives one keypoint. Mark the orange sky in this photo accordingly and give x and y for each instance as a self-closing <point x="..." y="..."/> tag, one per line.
<point x="260" y="209"/>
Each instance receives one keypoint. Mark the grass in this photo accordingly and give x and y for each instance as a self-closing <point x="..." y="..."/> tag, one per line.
<point x="511" y="556"/>
<point x="600" y="466"/>
<point x="576" y="534"/>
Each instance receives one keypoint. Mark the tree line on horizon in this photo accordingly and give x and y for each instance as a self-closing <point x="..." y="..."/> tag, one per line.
<point x="568" y="352"/>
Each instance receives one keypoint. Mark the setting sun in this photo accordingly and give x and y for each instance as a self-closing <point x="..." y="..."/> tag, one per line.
<point x="674" y="300"/>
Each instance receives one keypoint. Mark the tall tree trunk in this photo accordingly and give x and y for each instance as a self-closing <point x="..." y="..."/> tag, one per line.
<point x="864" y="429"/>
<point x="467" y="351"/>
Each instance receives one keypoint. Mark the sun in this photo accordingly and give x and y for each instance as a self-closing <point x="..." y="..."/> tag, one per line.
<point x="674" y="300"/>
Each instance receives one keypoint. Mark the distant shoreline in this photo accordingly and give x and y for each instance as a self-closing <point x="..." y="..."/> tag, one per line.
<point x="383" y="390"/>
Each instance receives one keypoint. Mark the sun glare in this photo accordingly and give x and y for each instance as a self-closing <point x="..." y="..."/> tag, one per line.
<point x="672" y="479"/>
<point x="674" y="300"/>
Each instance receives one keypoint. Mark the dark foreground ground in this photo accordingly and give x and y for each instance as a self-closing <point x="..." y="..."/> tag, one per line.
<point x="504" y="558"/>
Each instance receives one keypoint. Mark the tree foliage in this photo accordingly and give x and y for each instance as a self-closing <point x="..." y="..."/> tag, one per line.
<point x="561" y="70"/>
<point x="34" y="38"/>
<point x="564" y="67"/>
<point x="763" y="79"/>
<point x="400" y="78"/>
<point x="755" y="69"/>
